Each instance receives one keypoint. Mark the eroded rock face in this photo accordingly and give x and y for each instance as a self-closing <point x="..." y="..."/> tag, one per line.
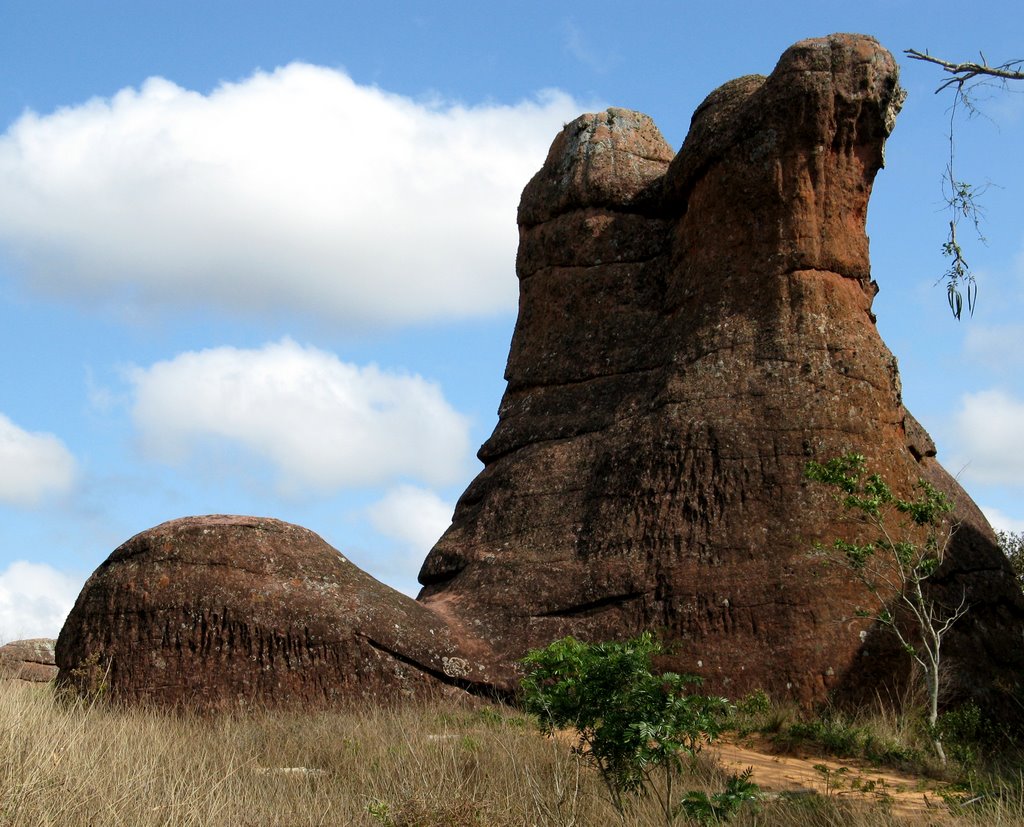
<point x="28" y="660"/>
<point x="692" y="330"/>
<point x="219" y="612"/>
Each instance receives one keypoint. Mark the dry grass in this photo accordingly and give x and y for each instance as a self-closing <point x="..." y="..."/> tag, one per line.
<point x="72" y="765"/>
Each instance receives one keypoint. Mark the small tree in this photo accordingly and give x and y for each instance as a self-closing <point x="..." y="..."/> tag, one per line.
<point x="628" y="721"/>
<point x="896" y="562"/>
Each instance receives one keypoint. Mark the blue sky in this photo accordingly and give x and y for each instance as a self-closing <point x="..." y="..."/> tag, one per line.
<point x="259" y="257"/>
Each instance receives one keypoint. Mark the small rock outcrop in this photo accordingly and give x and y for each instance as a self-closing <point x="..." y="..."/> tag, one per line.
<point x="693" y="328"/>
<point x="220" y="612"/>
<point x="28" y="660"/>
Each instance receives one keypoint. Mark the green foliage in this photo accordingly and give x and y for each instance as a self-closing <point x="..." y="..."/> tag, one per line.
<point x="868" y="495"/>
<point x="1012" y="545"/>
<point x="833" y="778"/>
<point x="628" y="721"/>
<point x="961" y="198"/>
<point x="965" y="731"/>
<point x="379" y="811"/>
<point x="739" y="790"/>
<point x="755" y="703"/>
<point x="837" y="736"/>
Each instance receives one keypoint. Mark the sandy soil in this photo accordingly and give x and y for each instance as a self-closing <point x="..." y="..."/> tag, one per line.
<point x="912" y="798"/>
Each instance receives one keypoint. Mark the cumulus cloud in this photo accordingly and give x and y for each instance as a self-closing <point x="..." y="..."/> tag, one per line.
<point x="297" y="188"/>
<point x="990" y="437"/>
<point x="35" y="600"/>
<point x="320" y="422"/>
<point x="415" y="518"/>
<point x="32" y="465"/>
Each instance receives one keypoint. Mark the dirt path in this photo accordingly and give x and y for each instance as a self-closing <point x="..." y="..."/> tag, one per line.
<point x="911" y="797"/>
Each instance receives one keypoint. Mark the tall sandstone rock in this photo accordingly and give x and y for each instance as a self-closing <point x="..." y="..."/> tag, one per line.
<point x="693" y="328"/>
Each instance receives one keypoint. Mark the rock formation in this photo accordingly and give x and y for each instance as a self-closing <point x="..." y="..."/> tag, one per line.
<point x="219" y="612"/>
<point x="693" y="328"/>
<point x="28" y="660"/>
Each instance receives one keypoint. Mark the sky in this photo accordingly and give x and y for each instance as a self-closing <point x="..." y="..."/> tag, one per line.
<point x="259" y="258"/>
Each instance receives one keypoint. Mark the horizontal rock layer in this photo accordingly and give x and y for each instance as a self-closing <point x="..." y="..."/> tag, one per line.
<point x="29" y="660"/>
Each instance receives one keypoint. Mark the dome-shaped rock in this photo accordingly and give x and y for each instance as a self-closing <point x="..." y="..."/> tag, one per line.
<point x="224" y="611"/>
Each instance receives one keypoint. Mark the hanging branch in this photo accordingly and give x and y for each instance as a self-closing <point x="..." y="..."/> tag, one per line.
<point x="961" y="196"/>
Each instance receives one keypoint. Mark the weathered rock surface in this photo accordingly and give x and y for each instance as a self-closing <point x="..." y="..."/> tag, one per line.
<point x="693" y="328"/>
<point x="218" y="612"/>
<point x="28" y="660"/>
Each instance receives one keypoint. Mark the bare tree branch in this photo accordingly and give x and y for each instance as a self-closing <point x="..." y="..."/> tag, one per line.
<point x="966" y="72"/>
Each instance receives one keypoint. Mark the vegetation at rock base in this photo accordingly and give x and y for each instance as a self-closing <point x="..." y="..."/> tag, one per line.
<point x="79" y="765"/>
<point x="907" y="544"/>
<point x="630" y="722"/>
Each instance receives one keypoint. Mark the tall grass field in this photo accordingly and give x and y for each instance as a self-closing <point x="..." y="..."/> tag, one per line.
<point x="71" y="763"/>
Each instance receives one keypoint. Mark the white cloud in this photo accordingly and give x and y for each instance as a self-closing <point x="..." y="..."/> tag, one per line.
<point x="414" y="516"/>
<point x="990" y="438"/>
<point x="32" y="465"/>
<point x="297" y="188"/>
<point x="1001" y="521"/>
<point x="321" y="422"/>
<point x="35" y="600"/>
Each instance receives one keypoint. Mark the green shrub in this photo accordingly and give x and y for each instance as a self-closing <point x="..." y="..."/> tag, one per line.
<point x="756" y="703"/>
<point x="714" y="809"/>
<point x="835" y="735"/>
<point x="628" y="721"/>
<point x="964" y="731"/>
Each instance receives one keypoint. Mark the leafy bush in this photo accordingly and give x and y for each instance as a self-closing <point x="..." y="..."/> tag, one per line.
<point x="756" y="703"/>
<point x="836" y="736"/>
<point x="719" y="807"/>
<point x="964" y="730"/>
<point x="628" y="721"/>
<point x="833" y="733"/>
